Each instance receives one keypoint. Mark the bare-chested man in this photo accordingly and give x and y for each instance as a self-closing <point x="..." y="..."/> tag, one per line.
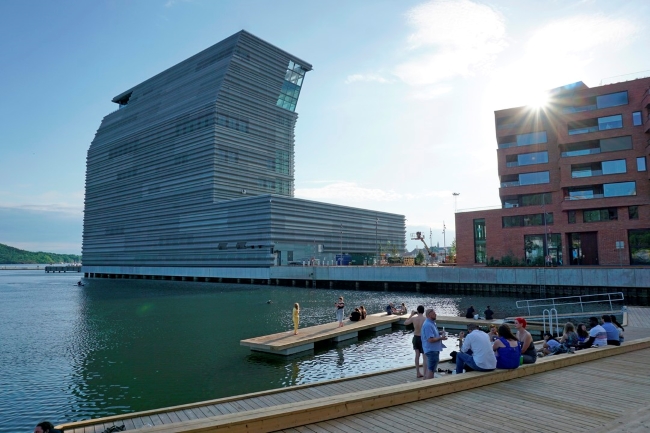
<point x="417" y="318"/>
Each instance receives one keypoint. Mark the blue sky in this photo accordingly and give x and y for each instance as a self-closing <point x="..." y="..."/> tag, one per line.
<point x="396" y="115"/>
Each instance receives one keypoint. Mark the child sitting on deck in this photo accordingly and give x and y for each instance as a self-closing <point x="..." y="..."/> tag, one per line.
<point x="551" y="345"/>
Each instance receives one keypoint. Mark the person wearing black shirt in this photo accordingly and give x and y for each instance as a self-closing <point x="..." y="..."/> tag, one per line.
<point x="470" y="312"/>
<point x="355" y="316"/>
<point x="489" y="314"/>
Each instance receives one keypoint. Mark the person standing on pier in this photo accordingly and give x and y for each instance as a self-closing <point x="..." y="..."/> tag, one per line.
<point x="296" y="318"/>
<point x="431" y="343"/>
<point x="417" y="319"/>
<point x="340" y="310"/>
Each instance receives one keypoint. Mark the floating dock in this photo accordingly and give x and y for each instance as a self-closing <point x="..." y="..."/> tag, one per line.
<point x="286" y="343"/>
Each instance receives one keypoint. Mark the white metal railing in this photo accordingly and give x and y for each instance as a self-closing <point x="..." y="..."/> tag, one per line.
<point x="572" y="300"/>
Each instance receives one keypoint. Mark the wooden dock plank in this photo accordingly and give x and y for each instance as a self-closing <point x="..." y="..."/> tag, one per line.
<point x="286" y="340"/>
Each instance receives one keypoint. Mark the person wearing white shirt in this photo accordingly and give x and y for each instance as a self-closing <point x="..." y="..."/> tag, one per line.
<point x="477" y="352"/>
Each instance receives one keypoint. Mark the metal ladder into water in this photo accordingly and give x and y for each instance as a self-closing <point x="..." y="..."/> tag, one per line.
<point x="553" y="331"/>
<point x="541" y="281"/>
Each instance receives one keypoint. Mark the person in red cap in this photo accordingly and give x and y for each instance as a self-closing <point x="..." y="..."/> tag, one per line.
<point x="528" y="352"/>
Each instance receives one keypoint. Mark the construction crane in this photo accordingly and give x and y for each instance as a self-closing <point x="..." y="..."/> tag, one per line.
<point x="417" y="236"/>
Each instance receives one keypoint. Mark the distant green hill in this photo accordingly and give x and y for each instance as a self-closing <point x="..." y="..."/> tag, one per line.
<point x="10" y="255"/>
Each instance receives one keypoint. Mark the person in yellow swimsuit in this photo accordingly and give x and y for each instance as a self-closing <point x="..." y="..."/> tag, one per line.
<point x="296" y="318"/>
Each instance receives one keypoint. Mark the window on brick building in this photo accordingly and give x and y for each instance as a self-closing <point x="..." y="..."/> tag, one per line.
<point x="639" y="241"/>
<point x="636" y="118"/>
<point x="595" y="215"/>
<point x="633" y="212"/>
<point x="641" y="164"/>
<point x="480" y="237"/>
<point x="572" y="216"/>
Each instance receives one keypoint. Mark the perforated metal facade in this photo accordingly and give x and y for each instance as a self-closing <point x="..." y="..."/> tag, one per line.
<point x="196" y="169"/>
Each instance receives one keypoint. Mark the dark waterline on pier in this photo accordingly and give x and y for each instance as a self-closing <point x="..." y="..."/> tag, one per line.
<point x="117" y="346"/>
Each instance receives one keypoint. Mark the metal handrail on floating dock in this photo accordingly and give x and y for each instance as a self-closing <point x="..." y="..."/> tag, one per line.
<point x="572" y="300"/>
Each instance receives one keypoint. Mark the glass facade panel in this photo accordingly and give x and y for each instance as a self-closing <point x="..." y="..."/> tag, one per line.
<point x="534" y="249"/>
<point x="510" y="202"/>
<point x="527" y="220"/>
<point x="616" y="143"/>
<point x="582" y="130"/>
<point x="636" y="118"/>
<point x="641" y="164"/>
<point x="290" y="91"/>
<point x="585" y="193"/>
<point x="610" y="122"/>
<point x="535" y="199"/>
<point x="613" y="167"/>
<point x="531" y="138"/>
<point x="619" y="189"/>
<point x="539" y="251"/>
<point x="480" y="237"/>
<point x="532" y="158"/>
<point x="511" y="221"/>
<point x="585" y="170"/>
<point x="611" y="100"/>
<point x="534" y="178"/>
<point x="571" y="215"/>
<point x="595" y="215"/>
<point x="639" y="242"/>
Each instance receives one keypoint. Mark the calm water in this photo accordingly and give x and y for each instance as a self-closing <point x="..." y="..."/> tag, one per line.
<point x="71" y="353"/>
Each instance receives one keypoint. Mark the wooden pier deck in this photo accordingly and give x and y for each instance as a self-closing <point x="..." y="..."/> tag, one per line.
<point x="614" y="380"/>
<point x="285" y="343"/>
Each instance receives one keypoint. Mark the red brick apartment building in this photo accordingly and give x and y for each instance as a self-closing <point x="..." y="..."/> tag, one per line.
<point x="575" y="170"/>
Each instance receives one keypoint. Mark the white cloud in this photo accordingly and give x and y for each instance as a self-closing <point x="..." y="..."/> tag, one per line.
<point x="559" y="53"/>
<point x="62" y="209"/>
<point x="450" y="38"/>
<point x="366" y="78"/>
<point x="581" y="35"/>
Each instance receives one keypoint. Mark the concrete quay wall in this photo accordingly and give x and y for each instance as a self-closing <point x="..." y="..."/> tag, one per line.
<point x="521" y="282"/>
<point x="586" y="277"/>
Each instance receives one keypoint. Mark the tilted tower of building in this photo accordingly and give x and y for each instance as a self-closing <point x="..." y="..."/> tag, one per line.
<point x="196" y="169"/>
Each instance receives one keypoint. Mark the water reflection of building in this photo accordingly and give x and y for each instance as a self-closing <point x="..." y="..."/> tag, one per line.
<point x="574" y="182"/>
<point x="195" y="170"/>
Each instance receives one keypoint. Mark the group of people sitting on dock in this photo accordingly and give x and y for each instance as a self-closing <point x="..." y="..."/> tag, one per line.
<point x="358" y="314"/>
<point x="610" y="332"/>
<point x="502" y="349"/>
<point x="390" y="309"/>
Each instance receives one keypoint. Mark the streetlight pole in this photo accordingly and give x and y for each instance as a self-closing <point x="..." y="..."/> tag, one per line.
<point x="444" y="239"/>
<point x="455" y="194"/>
